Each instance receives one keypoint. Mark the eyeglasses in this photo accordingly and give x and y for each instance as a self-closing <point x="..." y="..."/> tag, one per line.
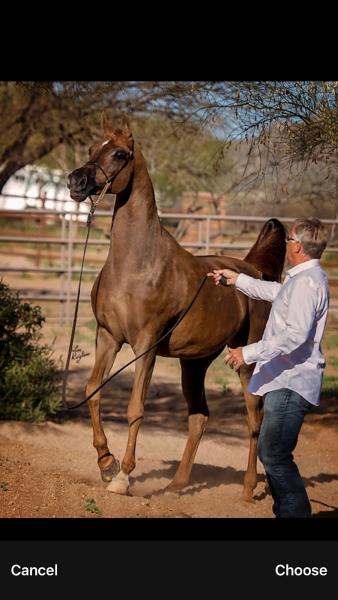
<point x="290" y="239"/>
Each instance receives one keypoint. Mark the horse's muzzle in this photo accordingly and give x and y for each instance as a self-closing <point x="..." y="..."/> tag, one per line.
<point x="81" y="185"/>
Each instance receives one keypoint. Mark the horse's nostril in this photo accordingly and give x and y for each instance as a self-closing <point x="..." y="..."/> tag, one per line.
<point x="77" y="180"/>
<point x="82" y="182"/>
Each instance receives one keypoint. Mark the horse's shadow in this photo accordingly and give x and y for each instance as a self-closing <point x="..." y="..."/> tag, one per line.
<point x="165" y="407"/>
<point x="326" y="514"/>
<point x="209" y="476"/>
<point x="202" y="477"/>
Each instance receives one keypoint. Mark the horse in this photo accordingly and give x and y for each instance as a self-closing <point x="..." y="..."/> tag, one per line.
<point x="146" y="283"/>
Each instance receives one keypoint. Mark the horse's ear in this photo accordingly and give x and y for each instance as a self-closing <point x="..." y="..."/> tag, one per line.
<point x="126" y="126"/>
<point x="105" y="122"/>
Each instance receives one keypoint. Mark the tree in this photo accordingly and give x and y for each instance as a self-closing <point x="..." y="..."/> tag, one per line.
<point x="284" y="123"/>
<point x="39" y="116"/>
<point x="305" y="113"/>
<point x="180" y="158"/>
<point x="288" y="126"/>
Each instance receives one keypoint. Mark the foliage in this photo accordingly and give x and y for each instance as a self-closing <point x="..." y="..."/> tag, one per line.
<point x="92" y="507"/>
<point x="28" y="384"/>
<point x="303" y="113"/>
<point x="37" y="117"/>
<point x="330" y="385"/>
<point x="180" y="158"/>
<point x="276" y="130"/>
<point x="331" y="341"/>
<point x="283" y="137"/>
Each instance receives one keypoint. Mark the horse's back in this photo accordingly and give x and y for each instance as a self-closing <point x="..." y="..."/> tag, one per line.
<point x="211" y="262"/>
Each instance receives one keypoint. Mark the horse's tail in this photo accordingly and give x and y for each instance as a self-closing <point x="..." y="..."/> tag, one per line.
<point x="268" y="252"/>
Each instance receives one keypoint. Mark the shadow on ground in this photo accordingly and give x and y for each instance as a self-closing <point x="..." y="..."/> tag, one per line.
<point x="326" y="514"/>
<point x="202" y="476"/>
<point x="165" y="406"/>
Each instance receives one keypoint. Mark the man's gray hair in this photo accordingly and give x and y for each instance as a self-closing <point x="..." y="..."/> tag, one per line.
<point x="312" y="235"/>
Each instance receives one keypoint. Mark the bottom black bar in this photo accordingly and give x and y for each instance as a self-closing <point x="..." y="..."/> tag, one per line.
<point x="159" y="568"/>
<point x="171" y="529"/>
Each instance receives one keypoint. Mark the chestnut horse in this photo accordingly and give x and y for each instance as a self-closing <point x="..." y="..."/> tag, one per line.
<point x="144" y="286"/>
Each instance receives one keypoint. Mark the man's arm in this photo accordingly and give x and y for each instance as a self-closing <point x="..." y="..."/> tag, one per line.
<point x="256" y="288"/>
<point x="298" y="324"/>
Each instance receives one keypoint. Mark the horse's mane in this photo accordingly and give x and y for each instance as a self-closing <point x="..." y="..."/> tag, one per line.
<point x="268" y="252"/>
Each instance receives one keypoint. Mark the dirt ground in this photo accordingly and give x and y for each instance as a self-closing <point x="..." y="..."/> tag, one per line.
<point x="50" y="469"/>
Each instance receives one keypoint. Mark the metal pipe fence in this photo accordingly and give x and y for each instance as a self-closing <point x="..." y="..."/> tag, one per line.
<point x="67" y="241"/>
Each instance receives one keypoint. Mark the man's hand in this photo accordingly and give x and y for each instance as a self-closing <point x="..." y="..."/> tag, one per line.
<point x="231" y="276"/>
<point x="235" y="358"/>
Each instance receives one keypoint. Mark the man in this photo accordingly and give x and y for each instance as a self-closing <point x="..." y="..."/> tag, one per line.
<point x="289" y="362"/>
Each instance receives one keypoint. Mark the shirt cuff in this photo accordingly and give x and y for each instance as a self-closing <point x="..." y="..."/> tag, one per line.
<point x="249" y="354"/>
<point x="242" y="282"/>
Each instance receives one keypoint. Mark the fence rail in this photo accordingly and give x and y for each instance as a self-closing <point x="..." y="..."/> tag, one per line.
<point x="69" y="221"/>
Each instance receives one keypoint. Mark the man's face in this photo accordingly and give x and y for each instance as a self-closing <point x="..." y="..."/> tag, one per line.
<point x="293" y="248"/>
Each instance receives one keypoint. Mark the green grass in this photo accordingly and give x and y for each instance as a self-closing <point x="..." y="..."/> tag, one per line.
<point x="88" y="277"/>
<point x="332" y="320"/>
<point x="330" y="256"/>
<point x="223" y="381"/>
<point x="84" y="336"/>
<point x="330" y="385"/>
<point x="221" y="373"/>
<point x="330" y="341"/>
<point x="92" y="507"/>
<point x="333" y="361"/>
<point x="91" y="325"/>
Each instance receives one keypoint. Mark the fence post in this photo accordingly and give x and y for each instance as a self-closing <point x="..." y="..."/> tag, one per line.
<point x="62" y="275"/>
<point x="333" y="228"/>
<point x="207" y="241"/>
<point x="200" y="227"/>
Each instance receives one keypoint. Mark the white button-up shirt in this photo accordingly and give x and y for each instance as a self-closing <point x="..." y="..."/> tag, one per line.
<point x="289" y="353"/>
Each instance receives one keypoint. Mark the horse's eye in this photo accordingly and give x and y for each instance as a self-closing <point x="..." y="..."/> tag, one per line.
<point x="119" y="155"/>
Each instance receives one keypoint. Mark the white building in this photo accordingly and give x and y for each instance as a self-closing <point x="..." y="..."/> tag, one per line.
<point x="39" y="187"/>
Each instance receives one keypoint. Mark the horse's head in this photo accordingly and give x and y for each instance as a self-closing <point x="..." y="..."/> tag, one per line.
<point x="110" y="159"/>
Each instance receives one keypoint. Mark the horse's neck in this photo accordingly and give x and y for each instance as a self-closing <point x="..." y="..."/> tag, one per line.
<point x="136" y="228"/>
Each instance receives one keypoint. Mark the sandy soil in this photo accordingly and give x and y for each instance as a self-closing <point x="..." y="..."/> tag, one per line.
<point x="50" y="469"/>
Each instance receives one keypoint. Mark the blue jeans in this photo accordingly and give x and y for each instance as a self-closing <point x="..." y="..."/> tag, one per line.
<point x="284" y="412"/>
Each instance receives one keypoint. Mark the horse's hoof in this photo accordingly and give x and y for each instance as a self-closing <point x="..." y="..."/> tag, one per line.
<point x="111" y="471"/>
<point x="120" y="484"/>
<point x="248" y="497"/>
<point x="175" y="486"/>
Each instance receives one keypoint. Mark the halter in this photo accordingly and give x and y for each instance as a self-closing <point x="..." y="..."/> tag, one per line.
<point x="109" y="180"/>
<point x="70" y="349"/>
<point x="93" y="162"/>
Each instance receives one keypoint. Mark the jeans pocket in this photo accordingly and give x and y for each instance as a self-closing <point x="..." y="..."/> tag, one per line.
<point x="305" y="404"/>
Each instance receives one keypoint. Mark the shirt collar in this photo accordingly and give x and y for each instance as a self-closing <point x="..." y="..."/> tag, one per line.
<point x="309" y="264"/>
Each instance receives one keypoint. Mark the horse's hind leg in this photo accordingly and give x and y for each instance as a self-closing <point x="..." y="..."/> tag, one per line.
<point x="106" y="350"/>
<point x="258" y="311"/>
<point x="254" y="410"/>
<point x="193" y="374"/>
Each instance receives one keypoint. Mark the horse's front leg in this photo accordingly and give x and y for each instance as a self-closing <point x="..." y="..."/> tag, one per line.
<point x="106" y="350"/>
<point x="143" y="372"/>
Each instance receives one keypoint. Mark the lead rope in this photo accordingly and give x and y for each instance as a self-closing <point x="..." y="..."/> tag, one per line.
<point x="143" y="353"/>
<point x="94" y="204"/>
<point x="70" y="349"/>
